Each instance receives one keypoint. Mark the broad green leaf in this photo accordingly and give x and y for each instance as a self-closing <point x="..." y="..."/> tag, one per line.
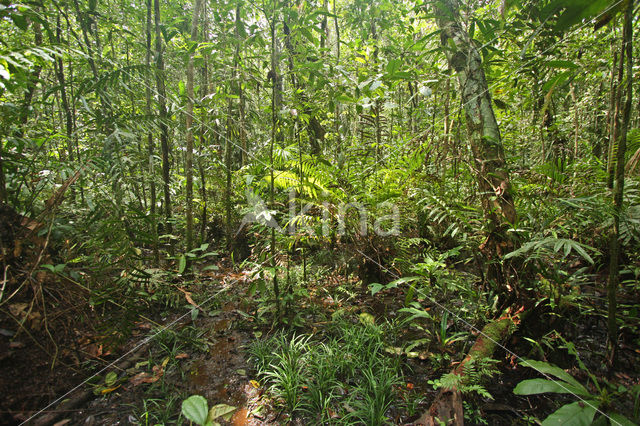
<point x="19" y="20"/>
<point x="416" y="313"/>
<point x="110" y="378"/>
<point x="577" y="10"/>
<point x="221" y="410"/>
<point x="583" y="253"/>
<point x="579" y="413"/>
<point x="537" y="386"/>
<point x="557" y="246"/>
<point x="196" y="409"/>
<point x="211" y="268"/>
<point x="619" y="419"/>
<point x="182" y="263"/>
<point x="410" y="293"/>
<point x="393" y="66"/>
<point x="375" y="288"/>
<point x="546" y="368"/>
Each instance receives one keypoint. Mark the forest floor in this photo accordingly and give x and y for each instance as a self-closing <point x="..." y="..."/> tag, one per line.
<point x="205" y="351"/>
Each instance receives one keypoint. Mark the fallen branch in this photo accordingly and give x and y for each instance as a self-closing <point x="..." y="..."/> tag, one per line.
<point x="447" y="407"/>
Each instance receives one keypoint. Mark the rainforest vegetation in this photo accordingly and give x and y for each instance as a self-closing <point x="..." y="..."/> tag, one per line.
<point x="230" y="212"/>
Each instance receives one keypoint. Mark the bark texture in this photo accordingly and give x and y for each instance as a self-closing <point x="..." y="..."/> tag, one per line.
<point x="488" y="163"/>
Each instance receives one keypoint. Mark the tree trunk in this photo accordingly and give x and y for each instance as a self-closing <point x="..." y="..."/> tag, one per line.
<point x="489" y="163"/>
<point x="614" y="261"/>
<point x="337" y="29"/>
<point x="64" y="100"/>
<point x="164" y="132"/>
<point x="150" y="143"/>
<point x="276" y="97"/>
<point x="3" y="184"/>
<point x="616" y="102"/>
<point x="189" y="122"/>
<point x="233" y="88"/>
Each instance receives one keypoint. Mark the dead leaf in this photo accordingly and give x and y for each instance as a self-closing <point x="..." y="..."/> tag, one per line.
<point x="143" y="377"/>
<point x="18" y="309"/>
<point x="182" y="356"/>
<point x="94" y="350"/>
<point x="62" y="422"/>
<point x="187" y="295"/>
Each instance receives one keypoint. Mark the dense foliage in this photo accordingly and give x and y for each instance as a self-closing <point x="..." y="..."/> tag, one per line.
<point x="406" y="198"/>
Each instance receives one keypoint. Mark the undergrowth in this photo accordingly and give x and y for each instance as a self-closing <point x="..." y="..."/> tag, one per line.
<point x="341" y="377"/>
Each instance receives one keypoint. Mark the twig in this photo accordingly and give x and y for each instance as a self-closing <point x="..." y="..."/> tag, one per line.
<point x="4" y="282"/>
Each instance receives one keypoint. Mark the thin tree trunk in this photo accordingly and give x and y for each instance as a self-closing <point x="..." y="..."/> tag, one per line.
<point x="205" y="124"/>
<point x="275" y="106"/>
<point x="59" y="71"/>
<point x="3" y="184"/>
<point x="150" y="143"/>
<point x="616" y="105"/>
<point x="234" y="85"/>
<point x="85" y="26"/>
<point x="337" y="29"/>
<point x="489" y="161"/>
<point x="33" y="80"/>
<point x="323" y="27"/>
<point x="618" y="190"/>
<point x="189" y="122"/>
<point x="164" y="132"/>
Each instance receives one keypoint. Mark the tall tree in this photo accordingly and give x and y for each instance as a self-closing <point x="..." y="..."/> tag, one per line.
<point x="162" y="110"/>
<point x="189" y="122"/>
<point x="228" y="150"/>
<point x="626" y="57"/>
<point x="150" y="143"/>
<point x="488" y="163"/>
<point x="276" y="101"/>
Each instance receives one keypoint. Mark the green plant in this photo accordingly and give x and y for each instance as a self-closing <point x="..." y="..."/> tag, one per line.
<point x="444" y="338"/>
<point x="196" y="409"/>
<point x="159" y="411"/>
<point x="582" y="411"/>
<point x="281" y="361"/>
<point x="373" y="395"/>
<point x="195" y="255"/>
<point x="472" y="380"/>
<point x="347" y="376"/>
<point x="321" y="383"/>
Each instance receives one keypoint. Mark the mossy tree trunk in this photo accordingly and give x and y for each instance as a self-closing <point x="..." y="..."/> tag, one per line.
<point x="489" y="163"/>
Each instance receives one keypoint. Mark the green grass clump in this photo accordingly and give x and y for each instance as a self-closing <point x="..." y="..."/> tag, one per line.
<point x="343" y="377"/>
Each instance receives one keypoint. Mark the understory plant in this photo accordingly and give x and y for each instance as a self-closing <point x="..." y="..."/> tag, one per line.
<point x="344" y="376"/>
<point x="596" y="401"/>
